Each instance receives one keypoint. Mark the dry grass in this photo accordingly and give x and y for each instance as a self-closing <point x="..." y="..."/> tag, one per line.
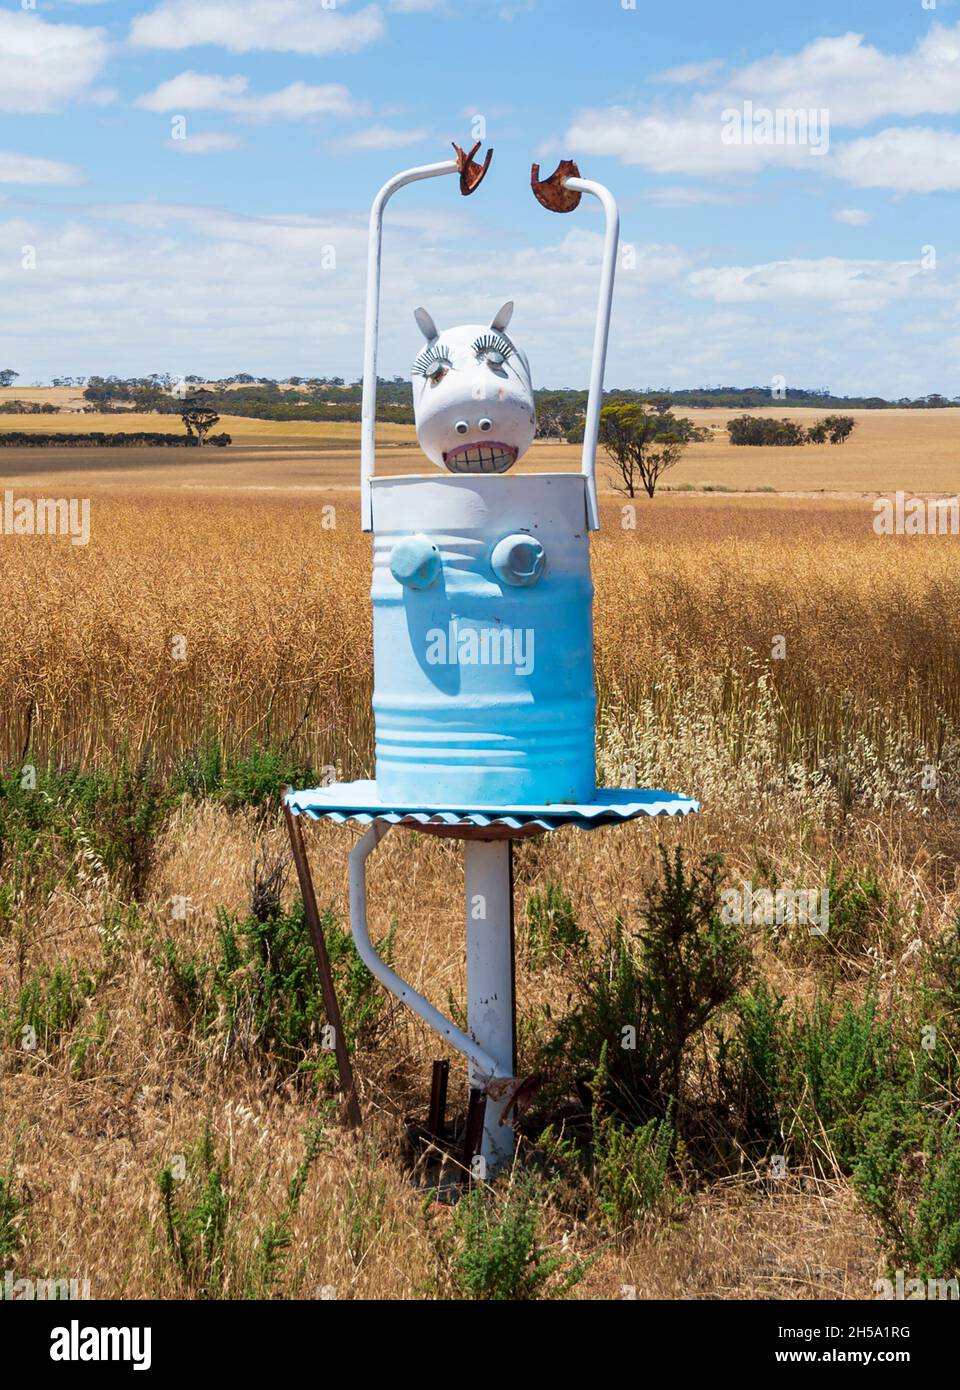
<point x="799" y="763"/>
<point x="273" y="608"/>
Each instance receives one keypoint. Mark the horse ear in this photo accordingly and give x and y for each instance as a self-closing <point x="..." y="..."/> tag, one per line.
<point x="503" y="316"/>
<point x="426" y="324"/>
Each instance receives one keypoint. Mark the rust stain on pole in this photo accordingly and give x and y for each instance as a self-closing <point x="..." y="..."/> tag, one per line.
<point x="330" y="1004"/>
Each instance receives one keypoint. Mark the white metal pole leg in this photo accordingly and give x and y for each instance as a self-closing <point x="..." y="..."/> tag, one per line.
<point x="488" y="878"/>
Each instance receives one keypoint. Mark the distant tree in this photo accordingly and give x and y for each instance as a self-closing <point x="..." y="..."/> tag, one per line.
<point x="840" y="427"/>
<point x="197" y="415"/>
<point x="557" y="417"/>
<point x="641" y="444"/>
<point x="755" y="429"/>
<point x="8" y="376"/>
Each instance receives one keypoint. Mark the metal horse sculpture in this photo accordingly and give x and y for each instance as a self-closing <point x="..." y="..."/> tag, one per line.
<point x="484" y="699"/>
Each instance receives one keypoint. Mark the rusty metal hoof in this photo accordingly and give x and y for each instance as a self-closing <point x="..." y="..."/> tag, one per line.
<point x="551" y="192"/>
<point x="471" y="173"/>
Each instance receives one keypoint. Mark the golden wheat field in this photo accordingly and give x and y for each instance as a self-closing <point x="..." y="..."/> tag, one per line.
<point x="768" y="654"/>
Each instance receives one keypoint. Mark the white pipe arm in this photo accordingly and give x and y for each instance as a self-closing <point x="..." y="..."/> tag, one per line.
<point x="389" y="978"/>
<point x="591" y="427"/>
<point x="371" y="332"/>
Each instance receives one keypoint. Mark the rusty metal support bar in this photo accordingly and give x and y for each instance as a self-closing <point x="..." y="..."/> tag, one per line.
<point x="436" y="1120"/>
<point x="330" y="1004"/>
<point x="473" y="1129"/>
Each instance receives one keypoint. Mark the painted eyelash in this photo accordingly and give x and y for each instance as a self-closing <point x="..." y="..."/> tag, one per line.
<point x="434" y="357"/>
<point x="491" y="343"/>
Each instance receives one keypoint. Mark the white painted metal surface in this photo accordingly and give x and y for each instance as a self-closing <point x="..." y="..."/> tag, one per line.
<point x="490" y="982"/>
<point x="371" y="332"/>
<point x="601" y="336"/>
<point x="482" y="1064"/>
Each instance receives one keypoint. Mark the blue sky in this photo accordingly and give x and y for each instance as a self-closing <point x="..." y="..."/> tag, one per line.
<point x="125" y="248"/>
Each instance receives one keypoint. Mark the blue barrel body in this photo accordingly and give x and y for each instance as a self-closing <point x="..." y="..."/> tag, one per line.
<point x="483" y="673"/>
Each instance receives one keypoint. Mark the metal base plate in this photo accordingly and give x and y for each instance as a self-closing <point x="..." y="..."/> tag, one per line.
<point x="359" y="802"/>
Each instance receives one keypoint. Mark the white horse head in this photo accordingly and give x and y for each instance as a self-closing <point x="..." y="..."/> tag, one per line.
<point x="473" y="396"/>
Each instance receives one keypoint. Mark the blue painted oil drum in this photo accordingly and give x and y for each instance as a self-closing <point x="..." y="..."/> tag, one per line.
<point x="483" y="640"/>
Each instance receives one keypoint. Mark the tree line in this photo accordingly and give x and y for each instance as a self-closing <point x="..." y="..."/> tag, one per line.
<point x="100" y="439"/>
<point x="755" y="429"/>
<point x="642" y="443"/>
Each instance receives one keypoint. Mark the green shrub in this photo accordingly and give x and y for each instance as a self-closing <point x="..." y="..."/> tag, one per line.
<point x="751" y="1064"/>
<point x="495" y="1253"/>
<point x="644" y="998"/>
<point x="195" y="1210"/>
<point x="100" y="825"/>
<point x="552" y="928"/>
<point x="630" y="1166"/>
<point x="857" y="908"/>
<point x="259" y="991"/>
<point x="255" y="777"/>
<point x="813" y="1079"/>
<point x="839" y="1065"/>
<point x="47" y="1005"/>
<point x="13" y="1204"/>
<point x="908" y="1175"/>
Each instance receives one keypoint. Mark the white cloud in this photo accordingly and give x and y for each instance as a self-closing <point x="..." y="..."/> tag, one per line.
<point x="43" y="66"/>
<point x="151" y="286"/>
<point x="858" y="82"/>
<point x="207" y="142"/>
<point x="381" y="137"/>
<point x="910" y="159"/>
<point x="852" y="217"/>
<point x="680" y="197"/>
<point x="687" y="144"/>
<point x="846" y="284"/>
<point x="848" y="80"/>
<point x="216" y="291"/>
<point x="197" y="91"/>
<point x="279" y="26"/>
<point x="688" y="73"/>
<point x="21" y="168"/>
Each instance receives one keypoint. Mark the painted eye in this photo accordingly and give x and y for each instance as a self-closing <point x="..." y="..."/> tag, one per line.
<point x="486" y="425"/>
<point x="461" y="427"/>
<point x="433" y="363"/>
<point x="493" y="350"/>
